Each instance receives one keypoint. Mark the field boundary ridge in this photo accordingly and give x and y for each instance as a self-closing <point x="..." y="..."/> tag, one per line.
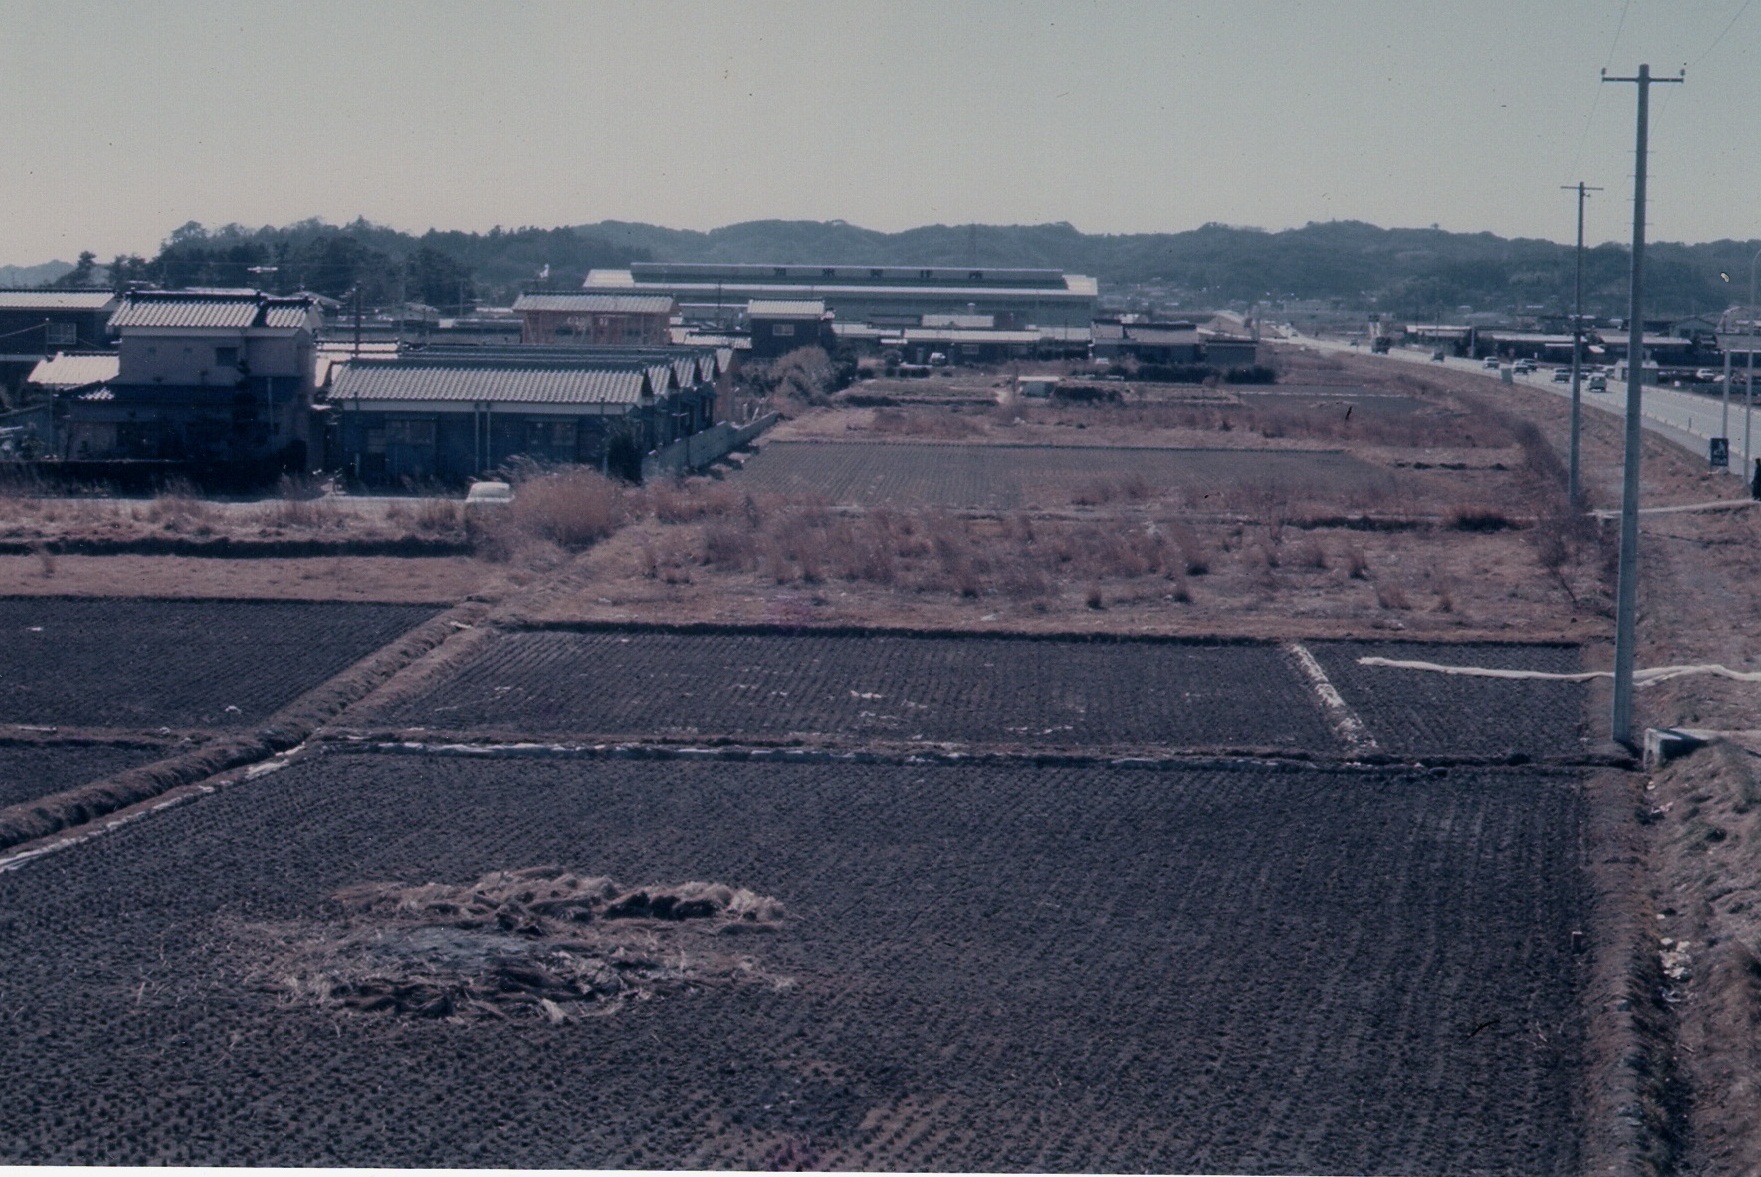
<point x="289" y="727"/>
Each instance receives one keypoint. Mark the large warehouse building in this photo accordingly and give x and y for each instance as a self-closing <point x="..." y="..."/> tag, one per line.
<point x="884" y="295"/>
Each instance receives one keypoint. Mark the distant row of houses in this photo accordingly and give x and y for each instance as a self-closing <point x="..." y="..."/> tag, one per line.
<point x="236" y="384"/>
<point x="245" y="383"/>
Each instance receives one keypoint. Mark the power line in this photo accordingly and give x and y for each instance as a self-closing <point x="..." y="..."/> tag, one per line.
<point x="1590" y="118"/>
<point x="1720" y="37"/>
<point x="1617" y="32"/>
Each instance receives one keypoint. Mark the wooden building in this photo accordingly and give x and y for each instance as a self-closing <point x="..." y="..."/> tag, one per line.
<point x="595" y="320"/>
<point x="451" y="415"/>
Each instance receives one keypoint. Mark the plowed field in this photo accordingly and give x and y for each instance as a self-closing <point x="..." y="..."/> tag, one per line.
<point x="1416" y="712"/>
<point x="1042" y="693"/>
<point x="996" y="692"/>
<point x="1007" y="477"/>
<point x="988" y="969"/>
<point x="31" y="771"/>
<point x="179" y="664"/>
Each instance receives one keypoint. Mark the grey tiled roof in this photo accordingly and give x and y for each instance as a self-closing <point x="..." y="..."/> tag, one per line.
<point x="535" y="384"/>
<point x="785" y="308"/>
<point x="604" y="304"/>
<point x="190" y="308"/>
<point x="55" y="300"/>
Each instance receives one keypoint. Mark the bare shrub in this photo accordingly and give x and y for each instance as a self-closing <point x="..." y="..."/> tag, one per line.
<point x="1478" y="518"/>
<point x="1095" y="493"/>
<point x="1312" y="555"/>
<point x="1357" y="563"/>
<point x="179" y="507"/>
<point x="1195" y="560"/>
<point x="572" y="509"/>
<point x="728" y="544"/>
<point x="1391" y="596"/>
<point x="680" y="502"/>
<point x="45" y="559"/>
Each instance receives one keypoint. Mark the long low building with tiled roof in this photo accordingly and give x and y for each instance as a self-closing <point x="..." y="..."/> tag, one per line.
<point x="451" y="415"/>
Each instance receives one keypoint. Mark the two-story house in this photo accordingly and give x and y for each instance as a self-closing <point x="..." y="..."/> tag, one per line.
<point x="213" y="380"/>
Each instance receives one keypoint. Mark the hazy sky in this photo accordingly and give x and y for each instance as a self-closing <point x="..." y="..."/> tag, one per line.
<point x="129" y="119"/>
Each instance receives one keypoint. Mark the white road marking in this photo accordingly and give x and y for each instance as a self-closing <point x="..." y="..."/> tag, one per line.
<point x="1344" y="720"/>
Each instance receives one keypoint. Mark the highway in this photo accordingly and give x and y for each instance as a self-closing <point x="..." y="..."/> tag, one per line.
<point x="1689" y="419"/>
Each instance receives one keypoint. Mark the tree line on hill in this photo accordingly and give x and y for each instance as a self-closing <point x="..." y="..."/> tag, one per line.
<point x="1415" y="274"/>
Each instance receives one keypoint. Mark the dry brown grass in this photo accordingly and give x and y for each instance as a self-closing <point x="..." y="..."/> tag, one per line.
<point x="179" y="508"/>
<point x="922" y="551"/>
<point x="428" y="516"/>
<point x="1427" y="428"/>
<point x="933" y="423"/>
<point x="570" y="509"/>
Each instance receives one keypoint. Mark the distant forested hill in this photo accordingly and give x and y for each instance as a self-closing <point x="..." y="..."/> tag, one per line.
<point x="33" y="275"/>
<point x="1413" y="273"/>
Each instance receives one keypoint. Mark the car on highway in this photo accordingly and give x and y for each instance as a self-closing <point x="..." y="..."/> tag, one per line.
<point x="1522" y="366"/>
<point x="1562" y="375"/>
<point x="1598" y="383"/>
<point x="1437" y="356"/>
<point x="1490" y="362"/>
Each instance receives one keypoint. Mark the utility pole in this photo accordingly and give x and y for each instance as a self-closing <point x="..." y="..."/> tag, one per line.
<point x="1749" y="383"/>
<point x="1577" y="352"/>
<point x="1627" y="588"/>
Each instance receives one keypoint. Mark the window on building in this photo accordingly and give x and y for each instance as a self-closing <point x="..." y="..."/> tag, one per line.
<point x="781" y="271"/>
<point x="828" y="272"/>
<point x="782" y="328"/>
<point x="63" y="333"/>
<point x="976" y="275"/>
<point x="409" y="432"/>
<point x="926" y="273"/>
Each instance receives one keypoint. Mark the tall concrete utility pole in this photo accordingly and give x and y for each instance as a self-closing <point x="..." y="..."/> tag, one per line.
<point x="1627" y="588"/>
<point x="1577" y="352"/>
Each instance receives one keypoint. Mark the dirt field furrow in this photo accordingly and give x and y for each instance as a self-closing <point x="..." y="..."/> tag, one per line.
<point x="145" y="663"/>
<point x="1115" y="951"/>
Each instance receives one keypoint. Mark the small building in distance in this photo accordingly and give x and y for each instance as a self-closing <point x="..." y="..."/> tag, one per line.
<point x="778" y="326"/>
<point x="1148" y="342"/>
<point x="1229" y="352"/>
<point x="595" y="319"/>
<point x="35" y="324"/>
